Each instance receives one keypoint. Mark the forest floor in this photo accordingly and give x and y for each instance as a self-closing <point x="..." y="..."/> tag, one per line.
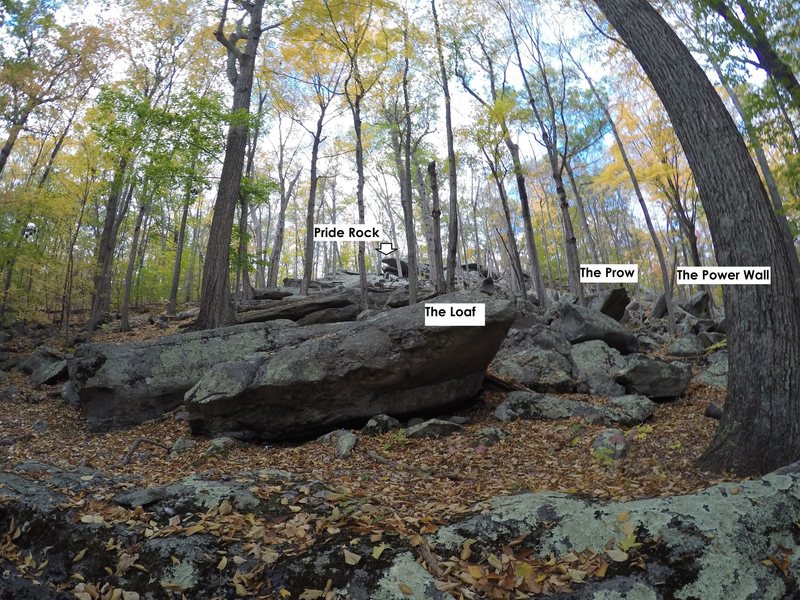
<point x="444" y="479"/>
<point x="411" y="487"/>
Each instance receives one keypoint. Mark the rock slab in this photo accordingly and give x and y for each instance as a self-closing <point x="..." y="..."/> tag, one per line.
<point x="350" y="372"/>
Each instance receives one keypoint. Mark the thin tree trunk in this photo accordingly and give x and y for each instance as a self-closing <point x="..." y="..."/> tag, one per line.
<point x="308" y="258"/>
<point x="436" y="214"/>
<point x="126" y="295"/>
<point x="176" y="271"/>
<point x="408" y="206"/>
<point x="452" y="230"/>
<point x="587" y="232"/>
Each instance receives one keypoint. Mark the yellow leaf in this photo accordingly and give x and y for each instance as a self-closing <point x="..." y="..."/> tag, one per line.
<point x="222" y="563"/>
<point x="351" y="558"/>
<point x="617" y="555"/>
<point x="194" y="529"/>
<point x="79" y="556"/>
<point x="241" y="591"/>
<point x="130" y="595"/>
<point x="378" y="550"/>
<point x="601" y="570"/>
<point x="466" y="550"/>
<point x="311" y="594"/>
<point x="476" y="571"/>
<point x="285" y="593"/>
<point x="92" y="519"/>
<point x="524" y="570"/>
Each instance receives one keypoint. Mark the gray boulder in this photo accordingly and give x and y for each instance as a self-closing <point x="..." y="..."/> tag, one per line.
<point x="594" y="364"/>
<point x="529" y="334"/>
<point x="688" y="345"/>
<point x="579" y="324"/>
<point x="610" y="444"/>
<point x="491" y="436"/>
<point x="709" y="338"/>
<point x="539" y="370"/>
<point x="433" y="428"/>
<point x="708" y="545"/>
<point x="295" y="308"/>
<point x="380" y="424"/>
<point x="633" y="408"/>
<point x="611" y="302"/>
<point x="528" y="406"/>
<point x="391" y="363"/>
<point x="51" y="373"/>
<point x="119" y="385"/>
<point x="655" y="378"/>
<point x="698" y="305"/>
<point x="716" y="374"/>
<point x="331" y="315"/>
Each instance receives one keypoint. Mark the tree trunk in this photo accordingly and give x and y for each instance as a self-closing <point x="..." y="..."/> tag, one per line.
<point x="427" y="219"/>
<point x="105" y="250"/>
<point x="216" y="308"/>
<point x="527" y="223"/>
<point x="760" y="428"/>
<point x="408" y="206"/>
<point x="587" y="232"/>
<point x="308" y="257"/>
<point x="13" y="134"/>
<point x="772" y="186"/>
<point x="124" y="324"/>
<point x="452" y="230"/>
<point x="176" y="271"/>
<point x="512" y="240"/>
<point x="436" y="214"/>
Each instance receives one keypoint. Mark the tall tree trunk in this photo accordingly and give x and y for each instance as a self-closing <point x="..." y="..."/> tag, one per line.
<point x="772" y="186"/>
<point x="512" y="240"/>
<point x="355" y="108"/>
<point x="760" y="428"/>
<point x="436" y="214"/>
<point x="216" y="308"/>
<point x="176" y="270"/>
<point x="452" y="230"/>
<point x="280" y="228"/>
<point x="308" y="258"/>
<point x="527" y="223"/>
<point x="408" y="206"/>
<point x="126" y="295"/>
<point x="190" y="275"/>
<point x="105" y="250"/>
<point x="427" y="219"/>
<point x="587" y="232"/>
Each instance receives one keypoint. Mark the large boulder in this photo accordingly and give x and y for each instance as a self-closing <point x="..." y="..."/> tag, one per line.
<point x="528" y="406"/>
<point x="698" y="305"/>
<point x="119" y="385"/>
<point x="611" y="302"/>
<point x="297" y="307"/>
<point x="539" y="370"/>
<point x="655" y="379"/>
<point x="594" y="364"/>
<point x="580" y="324"/>
<point x="391" y="363"/>
<point x="716" y="374"/>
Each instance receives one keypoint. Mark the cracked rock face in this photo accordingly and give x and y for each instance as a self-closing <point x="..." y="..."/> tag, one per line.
<point x="706" y="545"/>
<point x="351" y="371"/>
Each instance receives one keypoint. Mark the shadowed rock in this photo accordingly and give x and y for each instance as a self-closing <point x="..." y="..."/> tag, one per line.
<point x="351" y="371"/>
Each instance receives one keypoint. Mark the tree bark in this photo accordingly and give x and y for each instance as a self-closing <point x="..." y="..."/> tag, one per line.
<point x="408" y="206"/>
<point x="176" y="271"/>
<point x="760" y="428"/>
<point x="452" y="229"/>
<point x="124" y="324"/>
<point x="216" y="308"/>
<point x="436" y="214"/>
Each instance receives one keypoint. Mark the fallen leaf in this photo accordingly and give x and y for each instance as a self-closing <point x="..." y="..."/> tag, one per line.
<point x="617" y="555"/>
<point x="405" y="589"/>
<point x="378" y="550"/>
<point x="351" y="558"/>
<point x="223" y="562"/>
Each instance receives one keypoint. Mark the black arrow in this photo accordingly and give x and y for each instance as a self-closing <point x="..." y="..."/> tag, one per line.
<point x="385" y="248"/>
